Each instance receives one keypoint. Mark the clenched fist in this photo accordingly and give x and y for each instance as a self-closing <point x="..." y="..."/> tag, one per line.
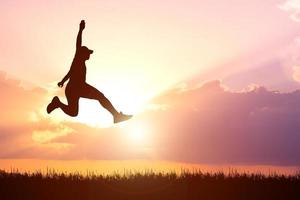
<point x="82" y="25"/>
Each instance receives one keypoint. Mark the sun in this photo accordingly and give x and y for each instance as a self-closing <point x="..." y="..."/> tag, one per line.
<point x="137" y="133"/>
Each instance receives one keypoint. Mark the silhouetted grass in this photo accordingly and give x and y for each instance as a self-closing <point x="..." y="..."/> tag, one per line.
<point x="148" y="185"/>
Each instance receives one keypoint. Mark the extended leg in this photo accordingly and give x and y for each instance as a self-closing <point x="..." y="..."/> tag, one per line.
<point x="70" y="109"/>
<point x="90" y="92"/>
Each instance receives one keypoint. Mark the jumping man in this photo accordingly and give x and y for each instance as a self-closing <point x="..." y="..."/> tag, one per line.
<point x="77" y="86"/>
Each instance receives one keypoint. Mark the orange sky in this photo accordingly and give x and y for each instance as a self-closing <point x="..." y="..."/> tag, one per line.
<point x="155" y="60"/>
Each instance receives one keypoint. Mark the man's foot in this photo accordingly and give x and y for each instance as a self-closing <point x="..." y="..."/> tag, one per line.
<point x="53" y="105"/>
<point x="121" y="117"/>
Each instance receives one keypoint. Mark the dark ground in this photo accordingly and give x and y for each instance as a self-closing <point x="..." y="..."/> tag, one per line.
<point x="188" y="185"/>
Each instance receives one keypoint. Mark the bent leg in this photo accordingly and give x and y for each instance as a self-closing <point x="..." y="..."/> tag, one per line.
<point x="90" y="92"/>
<point x="72" y="107"/>
<point x="73" y="99"/>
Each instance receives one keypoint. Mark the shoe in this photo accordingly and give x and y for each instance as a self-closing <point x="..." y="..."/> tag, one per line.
<point x="53" y="105"/>
<point x="120" y="117"/>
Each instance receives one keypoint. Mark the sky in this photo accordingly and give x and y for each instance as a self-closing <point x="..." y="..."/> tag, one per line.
<point x="210" y="82"/>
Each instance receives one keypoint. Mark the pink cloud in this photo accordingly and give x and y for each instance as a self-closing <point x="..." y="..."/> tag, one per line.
<point x="20" y="117"/>
<point x="214" y="125"/>
<point x="293" y="7"/>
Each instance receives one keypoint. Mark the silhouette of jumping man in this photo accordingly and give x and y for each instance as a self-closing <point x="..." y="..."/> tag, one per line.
<point x="77" y="86"/>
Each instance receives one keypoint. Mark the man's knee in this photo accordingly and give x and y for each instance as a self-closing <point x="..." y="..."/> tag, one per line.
<point x="73" y="112"/>
<point x="101" y="96"/>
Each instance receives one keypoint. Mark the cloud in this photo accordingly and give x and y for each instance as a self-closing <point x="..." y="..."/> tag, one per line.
<point x="293" y="7"/>
<point x="287" y="68"/>
<point x="24" y="131"/>
<point x="281" y="76"/>
<point x="47" y="135"/>
<point x="210" y="124"/>
<point x="18" y="103"/>
<point x="291" y="56"/>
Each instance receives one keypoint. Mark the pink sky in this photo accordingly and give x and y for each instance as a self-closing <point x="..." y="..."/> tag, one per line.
<point x="158" y="60"/>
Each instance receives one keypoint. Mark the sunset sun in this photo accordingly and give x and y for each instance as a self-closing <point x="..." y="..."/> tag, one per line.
<point x="138" y="134"/>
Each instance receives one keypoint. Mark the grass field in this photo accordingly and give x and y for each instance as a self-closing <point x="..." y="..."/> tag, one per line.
<point x="148" y="185"/>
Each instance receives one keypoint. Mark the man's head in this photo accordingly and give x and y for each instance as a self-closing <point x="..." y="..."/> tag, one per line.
<point x="85" y="53"/>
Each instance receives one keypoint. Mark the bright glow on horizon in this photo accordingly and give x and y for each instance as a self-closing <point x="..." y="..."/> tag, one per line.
<point x="108" y="167"/>
<point x="138" y="134"/>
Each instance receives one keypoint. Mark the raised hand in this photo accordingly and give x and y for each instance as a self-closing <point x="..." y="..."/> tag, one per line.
<point x="60" y="84"/>
<point x="82" y="25"/>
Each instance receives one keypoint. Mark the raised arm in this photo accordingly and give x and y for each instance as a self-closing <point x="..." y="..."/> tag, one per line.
<point x="67" y="76"/>
<point x="79" y="36"/>
<point x="78" y="46"/>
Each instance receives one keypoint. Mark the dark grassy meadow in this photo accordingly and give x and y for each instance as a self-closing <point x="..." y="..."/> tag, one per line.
<point x="148" y="185"/>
